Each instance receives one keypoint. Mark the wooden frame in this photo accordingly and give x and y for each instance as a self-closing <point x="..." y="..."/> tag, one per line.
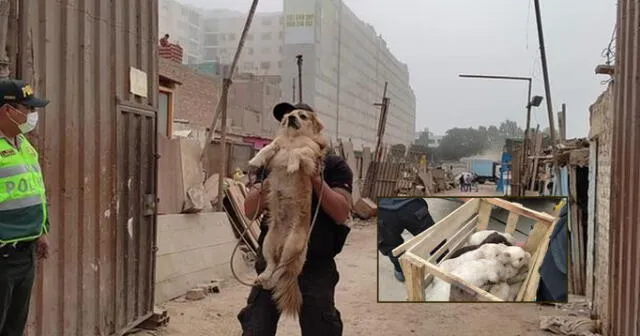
<point x="419" y="256"/>
<point x="169" y="92"/>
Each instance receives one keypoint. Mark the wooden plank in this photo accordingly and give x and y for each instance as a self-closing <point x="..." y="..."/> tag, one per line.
<point x="237" y="201"/>
<point x="533" y="280"/>
<point x="452" y="279"/>
<point x="457" y="241"/>
<point x="591" y="210"/>
<point x="512" y="222"/>
<point x="414" y="277"/>
<point x="536" y="235"/>
<point x="576" y="237"/>
<point x="456" y="217"/>
<point x="536" y="161"/>
<point x="521" y="210"/>
<point x="485" y="215"/>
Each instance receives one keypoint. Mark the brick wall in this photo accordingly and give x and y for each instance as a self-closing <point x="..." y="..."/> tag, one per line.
<point x="250" y="99"/>
<point x="600" y="133"/>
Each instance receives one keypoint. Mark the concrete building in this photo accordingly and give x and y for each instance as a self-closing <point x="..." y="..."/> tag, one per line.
<point x="345" y="66"/>
<point x="262" y="54"/>
<point x="184" y="25"/>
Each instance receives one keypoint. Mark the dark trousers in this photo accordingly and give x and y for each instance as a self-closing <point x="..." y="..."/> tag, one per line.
<point x="413" y="217"/>
<point x="318" y="316"/>
<point x="17" y="272"/>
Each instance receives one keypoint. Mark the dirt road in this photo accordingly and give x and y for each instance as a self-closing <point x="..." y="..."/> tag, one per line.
<point x="356" y="299"/>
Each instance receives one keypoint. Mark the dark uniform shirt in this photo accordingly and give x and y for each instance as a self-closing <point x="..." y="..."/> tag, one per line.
<point x="327" y="236"/>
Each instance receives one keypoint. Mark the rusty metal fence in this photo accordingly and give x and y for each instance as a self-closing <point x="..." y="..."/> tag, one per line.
<point x="97" y="143"/>
<point x="624" y="281"/>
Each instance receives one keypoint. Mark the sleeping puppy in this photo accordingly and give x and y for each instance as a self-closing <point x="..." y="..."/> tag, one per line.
<point x="486" y="251"/>
<point x="493" y="238"/>
<point x="292" y="158"/>
<point x="479" y="236"/>
<point x="515" y="256"/>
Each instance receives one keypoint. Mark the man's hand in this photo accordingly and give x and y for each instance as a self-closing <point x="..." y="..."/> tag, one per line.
<point x="43" y="247"/>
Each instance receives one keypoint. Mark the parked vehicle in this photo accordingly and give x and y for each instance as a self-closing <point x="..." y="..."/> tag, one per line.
<point x="485" y="170"/>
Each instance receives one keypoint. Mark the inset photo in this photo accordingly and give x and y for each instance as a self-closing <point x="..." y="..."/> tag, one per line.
<point x="473" y="249"/>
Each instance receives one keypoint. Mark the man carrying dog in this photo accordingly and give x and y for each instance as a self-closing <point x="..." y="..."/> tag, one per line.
<point x="23" y="208"/>
<point x="319" y="276"/>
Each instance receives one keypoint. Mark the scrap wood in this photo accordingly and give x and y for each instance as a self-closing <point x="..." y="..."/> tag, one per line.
<point x="570" y="325"/>
<point x="234" y="193"/>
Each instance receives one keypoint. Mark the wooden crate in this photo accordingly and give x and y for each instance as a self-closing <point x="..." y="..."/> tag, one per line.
<point x="424" y="252"/>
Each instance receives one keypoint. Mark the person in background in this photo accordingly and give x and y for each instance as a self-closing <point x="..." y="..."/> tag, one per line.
<point x="396" y="215"/>
<point x="23" y="208"/>
<point x="164" y="41"/>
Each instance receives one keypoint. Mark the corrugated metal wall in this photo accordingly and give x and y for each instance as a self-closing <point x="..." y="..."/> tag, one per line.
<point x="98" y="159"/>
<point x="624" y="284"/>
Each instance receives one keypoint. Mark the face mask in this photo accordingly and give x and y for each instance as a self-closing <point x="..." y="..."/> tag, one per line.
<point x="30" y="124"/>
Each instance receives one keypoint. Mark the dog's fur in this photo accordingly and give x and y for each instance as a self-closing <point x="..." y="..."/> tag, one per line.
<point x="479" y="236"/>
<point x="292" y="158"/>
<point x="493" y="238"/>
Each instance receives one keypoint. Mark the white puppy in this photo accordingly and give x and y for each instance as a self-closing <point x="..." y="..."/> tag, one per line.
<point x="478" y="272"/>
<point x="515" y="256"/>
<point x="478" y="237"/>
<point x="486" y="251"/>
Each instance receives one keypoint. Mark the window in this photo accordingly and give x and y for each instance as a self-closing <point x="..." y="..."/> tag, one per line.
<point x="165" y="112"/>
<point x="265" y="36"/>
<point x="211" y="53"/>
<point x="211" y="39"/>
<point x="249" y="51"/>
<point x="265" y="65"/>
<point x="231" y="37"/>
<point x="248" y="66"/>
<point x="267" y="21"/>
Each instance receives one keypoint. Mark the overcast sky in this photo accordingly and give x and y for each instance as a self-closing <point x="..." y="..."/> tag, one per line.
<point x="440" y="39"/>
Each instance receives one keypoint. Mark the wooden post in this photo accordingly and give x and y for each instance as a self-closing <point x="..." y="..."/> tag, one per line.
<point x="414" y="273"/>
<point x="5" y="7"/>
<point x="536" y="154"/>
<point x="562" y="123"/>
<point x="222" y="109"/>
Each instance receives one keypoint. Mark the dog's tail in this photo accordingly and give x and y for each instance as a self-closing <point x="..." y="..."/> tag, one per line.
<point x="286" y="292"/>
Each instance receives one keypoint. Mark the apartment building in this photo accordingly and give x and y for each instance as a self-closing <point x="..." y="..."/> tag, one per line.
<point x="345" y="66"/>
<point x="262" y="53"/>
<point x="184" y="25"/>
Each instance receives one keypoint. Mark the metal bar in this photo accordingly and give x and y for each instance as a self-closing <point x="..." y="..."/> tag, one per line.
<point x="545" y="72"/>
<point x="525" y="144"/>
<point x="299" y="62"/>
<point x="495" y="77"/>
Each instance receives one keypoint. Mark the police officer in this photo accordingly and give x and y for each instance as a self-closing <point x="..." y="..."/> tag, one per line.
<point x="396" y="215"/>
<point x="319" y="276"/>
<point x="23" y="209"/>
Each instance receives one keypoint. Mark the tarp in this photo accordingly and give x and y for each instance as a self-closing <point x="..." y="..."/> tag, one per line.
<point x="553" y="272"/>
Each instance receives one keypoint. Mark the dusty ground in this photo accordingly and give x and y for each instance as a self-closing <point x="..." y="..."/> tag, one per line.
<point x="356" y="299"/>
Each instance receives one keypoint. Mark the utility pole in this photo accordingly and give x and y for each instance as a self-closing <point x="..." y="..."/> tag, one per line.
<point x="562" y="123"/>
<point x="221" y="109"/>
<point x="377" y="154"/>
<point x="545" y="72"/>
<point x="293" y="86"/>
<point x="299" y="61"/>
<point x="338" y="74"/>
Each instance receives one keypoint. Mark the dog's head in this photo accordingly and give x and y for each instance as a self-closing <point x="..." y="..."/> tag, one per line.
<point x="301" y="122"/>
<point x="515" y="256"/>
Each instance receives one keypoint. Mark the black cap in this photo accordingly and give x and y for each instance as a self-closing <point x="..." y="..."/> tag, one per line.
<point x="15" y="91"/>
<point x="283" y="108"/>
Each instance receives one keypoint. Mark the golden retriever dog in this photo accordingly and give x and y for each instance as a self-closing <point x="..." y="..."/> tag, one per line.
<point x="292" y="158"/>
